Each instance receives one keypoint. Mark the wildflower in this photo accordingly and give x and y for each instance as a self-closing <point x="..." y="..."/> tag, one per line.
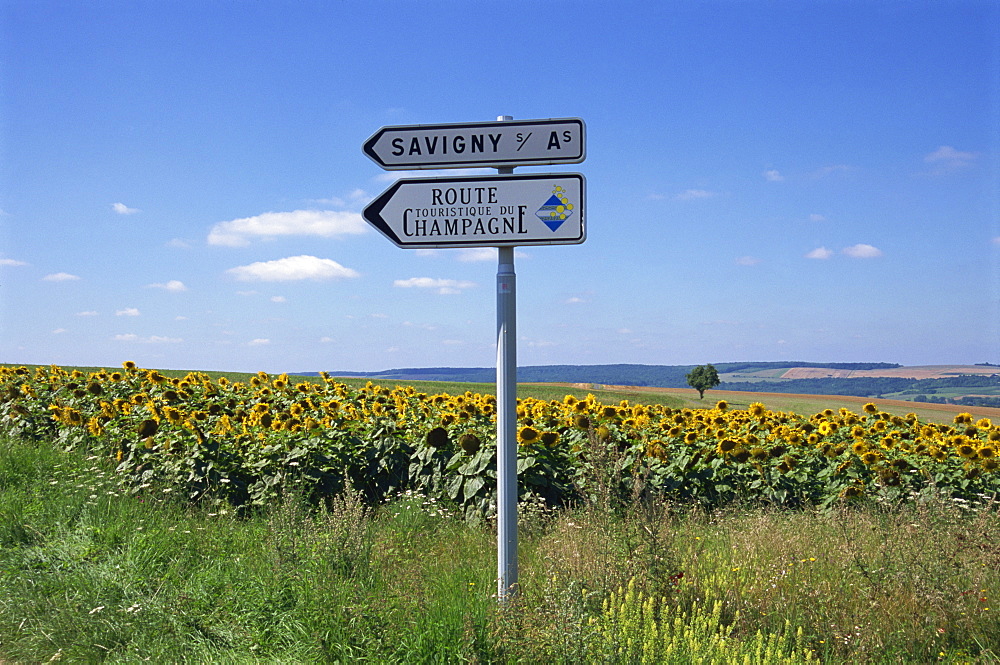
<point x="869" y="408"/>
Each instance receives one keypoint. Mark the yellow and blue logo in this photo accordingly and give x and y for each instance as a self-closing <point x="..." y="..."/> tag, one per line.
<point x="556" y="209"/>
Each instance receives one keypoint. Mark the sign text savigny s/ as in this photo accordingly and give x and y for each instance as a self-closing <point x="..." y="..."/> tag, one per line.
<point x="492" y="144"/>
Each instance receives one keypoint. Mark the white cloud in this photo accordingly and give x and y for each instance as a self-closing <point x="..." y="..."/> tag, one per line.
<point x="422" y="326"/>
<point x="452" y="342"/>
<point x="355" y="196"/>
<point x="278" y="299"/>
<point x="178" y="243"/>
<point x="326" y="340"/>
<point x="574" y="300"/>
<point x="624" y="331"/>
<point x="260" y="341"/>
<point x="128" y="311"/>
<point x="693" y="194"/>
<point x="323" y="223"/>
<point x="292" y="268"/>
<point x="173" y="285"/>
<point x="477" y="254"/>
<point x="12" y="262"/>
<point x="819" y="253"/>
<point x="816" y="218"/>
<point x="152" y="339"/>
<point x="773" y="176"/>
<point x="60" y="277"/>
<point x="87" y="313"/>
<point x="483" y="254"/>
<point x="948" y="159"/>
<point x="862" y="251"/>
<point x="830" y="170"/>
<point x="58" y="331"/>
<point x="444" y="286"/>
<point x="747" y="261"/>
<point x="123" y="209"/>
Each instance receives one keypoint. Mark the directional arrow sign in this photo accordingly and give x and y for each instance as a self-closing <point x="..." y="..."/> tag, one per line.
<point x="475" y="211"/>
<point x="519" y="143"/>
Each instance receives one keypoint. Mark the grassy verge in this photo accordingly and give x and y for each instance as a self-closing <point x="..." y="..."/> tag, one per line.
<point x="88" y="574"/>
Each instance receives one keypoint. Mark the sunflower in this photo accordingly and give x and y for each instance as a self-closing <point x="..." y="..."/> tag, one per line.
<point x="851" y="492"/>
<point x="757" y="409"/>
<point x="871" y="457"/>
<point x="741" y="455"/>
<point x="991" y="464"/>
<point x="722" y="405"/>
<point x="986" y="452"/>
<point x="690" y="437"/>
<point x="869" y="408"/>
<point x="527" y="434"/>
<point x="859" y="447"/>
<point x="550" y="438"/>
<point x="967" y="450"/>
<point x="129" y="365"/>
<point x="147" y="428"/>
<point x="469" y="443"/>
<point x="727" y="446"/>
<point x="437" y="437"/>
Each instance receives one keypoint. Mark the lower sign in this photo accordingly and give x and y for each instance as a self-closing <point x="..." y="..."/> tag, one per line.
<point x="476" y="211"/>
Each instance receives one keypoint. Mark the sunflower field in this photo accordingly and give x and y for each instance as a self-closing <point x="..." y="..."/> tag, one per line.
<point x="248" y="442"/>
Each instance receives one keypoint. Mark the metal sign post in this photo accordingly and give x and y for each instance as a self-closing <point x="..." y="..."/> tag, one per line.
<point x="506" y="417"/>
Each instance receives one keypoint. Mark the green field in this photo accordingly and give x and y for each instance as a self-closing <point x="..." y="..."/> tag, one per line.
<point x="89" y="573"/>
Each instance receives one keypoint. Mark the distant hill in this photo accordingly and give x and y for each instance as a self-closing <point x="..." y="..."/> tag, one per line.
<point x="957" y="384"/>
<point x="660" y="376"/>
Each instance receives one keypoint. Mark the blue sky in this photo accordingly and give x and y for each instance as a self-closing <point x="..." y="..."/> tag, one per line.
<point x="181" y="183"/>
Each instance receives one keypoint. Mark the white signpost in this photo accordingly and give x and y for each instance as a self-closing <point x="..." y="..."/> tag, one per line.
<point x="492" y="144"/>
<point x="502" y="211"/>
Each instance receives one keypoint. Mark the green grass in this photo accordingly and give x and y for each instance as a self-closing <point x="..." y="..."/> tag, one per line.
<point x="90" y="574"/>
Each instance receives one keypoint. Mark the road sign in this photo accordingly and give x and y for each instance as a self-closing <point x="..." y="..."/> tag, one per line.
<point x="517" y="143"/>
<point x="476" y="211"/>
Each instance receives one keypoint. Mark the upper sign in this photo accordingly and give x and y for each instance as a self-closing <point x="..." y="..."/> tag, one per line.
<point x="516" y="143"/>
<point x="474" y="211"/>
